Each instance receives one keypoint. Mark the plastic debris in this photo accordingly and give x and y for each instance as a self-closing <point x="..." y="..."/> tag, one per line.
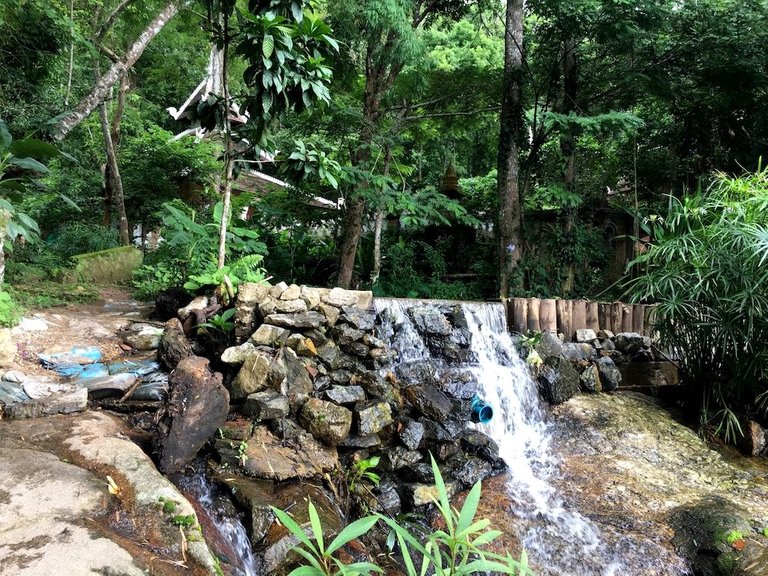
<point x="138" y="367"/>
<point x="153" y="387"/>
<point x="14" y="376"/>
<point x="75" y="355"/>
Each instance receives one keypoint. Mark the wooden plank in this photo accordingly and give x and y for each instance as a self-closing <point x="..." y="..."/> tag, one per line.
<point x="548" y="316"/>
<point x="626" y="318"/>
<point x="604" y="315"/>
<point x="579" y="314"/>
<point x="650" y="319"/>
<point x="533" y="315"/>
<point x="616" y="314"/>
<point x="520" y="315"/>
<point x="593" y="321"/>
<point x="638" y="318"/>
<point x="564" y="323"/>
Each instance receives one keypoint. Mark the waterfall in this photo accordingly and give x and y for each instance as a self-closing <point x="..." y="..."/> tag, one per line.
<point x="559" y="540"/>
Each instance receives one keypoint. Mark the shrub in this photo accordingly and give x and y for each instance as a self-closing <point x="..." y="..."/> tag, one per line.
<point x="707" y="268"/>
<point x="80" y="238"/>
<point x="10" y="311"/>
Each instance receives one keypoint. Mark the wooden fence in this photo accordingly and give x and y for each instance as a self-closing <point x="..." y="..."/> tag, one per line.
<point x="567" y="316"/>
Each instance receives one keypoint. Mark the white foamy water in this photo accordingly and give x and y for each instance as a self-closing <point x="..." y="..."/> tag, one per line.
<point x="559" y="541"/>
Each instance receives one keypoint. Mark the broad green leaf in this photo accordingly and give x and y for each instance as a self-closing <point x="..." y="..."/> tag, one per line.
<point x="359" y="567"/>
<point x="29" y="164"/>
<point x="306" y="571"/>
<point x="294" y="528"/>
<point x="31" y="148"/>
<point x="310" y="557"/>
<point x="317" y="527"/>
<point x="486" y="537"/>
<point x="469" y="509"/>
<point x="268" y="46"/>
<point x="5" y="136"/>
<point x="443" y="503"/>
<point x="352" y="531"/>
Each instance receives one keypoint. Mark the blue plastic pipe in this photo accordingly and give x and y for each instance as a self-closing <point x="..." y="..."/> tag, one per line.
<point x="482" y="412"/>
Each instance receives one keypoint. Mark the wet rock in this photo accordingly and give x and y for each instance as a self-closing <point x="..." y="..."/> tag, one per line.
<point x="435" y="432"/>
<point x="330" y="355"/>
<point x="429" y="401"/>
<point x="610" y="375"/>
<point x="357" y="318"/>
<point x="357" y="441"/>
<point x="447" y="451"/>
<point x="585" y="335"/>
<point x="558" y="380"/>
<point x="373" y="417"/>
<point x="268" y="335"/>
<point x="472" y="471"/>
<point x="550" y="345"/>
<point x="701" y="532"/>
<point x="377" y="387"/>
<point x="326" y="421"/>
<point x="318" y="337"/>
<point x="236" y="355"/>
<point x="340" y="376"/>
<point x="423" y="494"/>
<point x="252" y="376"/>
<point x="197" y="407"/>
<point x="288" y="376"/>
<point x="302" y="320"/>
<point x="428" y="320"/>
<point x="631" y="342"/>
<point x="755" y="439"/>
<point x="475" y="442"/>
<point x="607" y="345"/>
<point x="400" y="457"/>
<point x="174" y="345"/>
<point x="143" y="336"/>
<point x="266" y="405"/>
<point x="577" y="351"/>
<point x="649" y="374"/>
<point x="387" y="498"/>
<point x="452" y="349"/>
<point x="590" y="379"/>
<point x="345" y="394"/>
<point x="458" y="383"/>
<point x="345" y="335"/>
<point x="266" y="456"/>
<point x="412" y="434"/>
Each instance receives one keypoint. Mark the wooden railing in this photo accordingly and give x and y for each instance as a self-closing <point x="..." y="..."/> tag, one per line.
<point x="567" y="316"/>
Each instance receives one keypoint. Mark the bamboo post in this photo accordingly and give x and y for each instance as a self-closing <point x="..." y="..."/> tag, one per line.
<point x="638" y="318"/>
<point x="650" y="319"/>
<point x="579" y="314"/>
<point x="626" y="318"/>
<point x="564" y="321"/>
<point x="533" y="315"/>
<point x="616" y="314"/>
<point x="548" y="316"/>
<point x="520" y="315"/>
<point x="604" y="315"/>
<point x="593" y="321"/>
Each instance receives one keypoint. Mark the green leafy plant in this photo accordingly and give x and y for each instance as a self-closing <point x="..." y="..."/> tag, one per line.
<point x="732" y="536"/>
<point x="705" y="268"/>
<point x="320" y="559"/>
<point x="10" y="311"/>
<point x="458" y="548"/>
<point x="361" y="472"/>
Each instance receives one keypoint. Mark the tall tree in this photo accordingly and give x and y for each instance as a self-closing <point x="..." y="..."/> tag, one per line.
<point x="510" y="232"/>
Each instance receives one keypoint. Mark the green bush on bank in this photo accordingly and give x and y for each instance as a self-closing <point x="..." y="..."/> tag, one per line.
<point x="706" y="268"/>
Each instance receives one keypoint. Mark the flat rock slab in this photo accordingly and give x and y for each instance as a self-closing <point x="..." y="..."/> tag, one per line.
<point x="52" y="511"/>
<point x="51" y="399"/>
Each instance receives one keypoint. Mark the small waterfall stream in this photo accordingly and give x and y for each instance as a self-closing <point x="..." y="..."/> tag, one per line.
<point x="558" y="538"/>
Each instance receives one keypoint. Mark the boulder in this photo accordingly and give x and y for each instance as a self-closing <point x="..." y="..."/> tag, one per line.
<point x="197" y="407"/>
<point x="174" y="345"/>
<point x="430" y="401"/>
<point x="268" y="335"/>
<point x="331" y="313"/>
<point x="142" y="336"/>
<point x="400" y="457"/>
<point x="59" y="399"/>
<point x="300" y="321"/>
<point x="252" y="376"/>
<point x="236" y="355"/>
<point x="755" y="439"/>
<point x="585" y="335"/>
<point x="198" y="304"/>
<point x="423" y="494"/>
<point x="264" y="455"/>
<point x="429" y="320"/>
<point x="472" y="471"/>
<point x="360" y="319"/>
<point x="590" y="379"/>
<point x="267" y="306"/>
<point x="630" y="343"/>
<point x="412" y="434"/>
<point x="290" y="306"/>
<point x="549" y="345"/>
<point x="610" y="375"/>
<point x="302" y="345"/>
<point x="326" y="421"/>
<point x="293" y="292"/>
<point x="339" y="297"/>
<point x="576" y="351"/>
<point x="266" y="405"/>
<point x="311" y="296"/>
<point x="277" y="290"/>
<point x="558" y="380"/>
<point x="345" y="394"/>
<point x="373" y="417"/>
<point x="288" y="376"/>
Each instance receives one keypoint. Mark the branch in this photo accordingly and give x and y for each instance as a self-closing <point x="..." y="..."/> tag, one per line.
<point x="110" y="21"/>
<point x="448" y="114"/>
<point x="100" y="90"/>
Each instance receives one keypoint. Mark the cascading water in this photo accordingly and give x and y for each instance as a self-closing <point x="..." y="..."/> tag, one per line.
<point x="222" y="528"/>
<point x="559" y="540"/>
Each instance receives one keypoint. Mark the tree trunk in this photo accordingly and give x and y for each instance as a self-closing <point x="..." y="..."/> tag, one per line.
<point x="510" y="136"/>
<point x="568" y="149"/>
<point x="377" y="247"/>
<point x="229" y="150"/>
<point x="352" y="229"/>
<point x="101" y="89"/>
